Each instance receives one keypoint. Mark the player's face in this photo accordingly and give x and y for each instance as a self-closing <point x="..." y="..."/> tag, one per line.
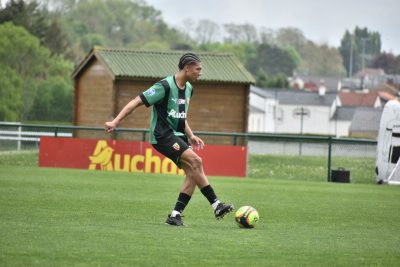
<point x="193" y="71"/>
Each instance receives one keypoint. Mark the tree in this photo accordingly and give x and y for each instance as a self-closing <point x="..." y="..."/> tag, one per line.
<point x="388" y="62"/>
<point x="240" y="33"/>
<point x="359" y="48"/>
<point x="116" y="23"/>
<point x="38" y="22"/>
<point x="245" y="52"/>
<point x="272" y="65"/>
<point x="53" y="101"/>
<point x="55" y="39"/>
<point x="272" y="60"/>
<point x="22" y="52"/>
<point x="290" y="37"/>
<point x="10" y="94"/>
<point x="28" y="64"/>
<point x="207" y="31"/>
<point x="320" y="60"/>
<point x="276" y="81"/>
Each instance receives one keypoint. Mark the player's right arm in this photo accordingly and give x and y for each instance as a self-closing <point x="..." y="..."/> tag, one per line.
<point x="131" y="106"/>
<point x="149" y="97"/>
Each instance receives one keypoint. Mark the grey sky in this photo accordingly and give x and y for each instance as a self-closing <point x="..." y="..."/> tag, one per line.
<point x="323" y="21"/>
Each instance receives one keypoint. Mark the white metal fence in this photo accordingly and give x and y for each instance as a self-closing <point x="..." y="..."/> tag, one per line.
<point x="14" y="137"/>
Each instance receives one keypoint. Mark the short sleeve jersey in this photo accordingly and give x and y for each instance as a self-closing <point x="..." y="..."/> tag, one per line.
<point x="170" y="107"/>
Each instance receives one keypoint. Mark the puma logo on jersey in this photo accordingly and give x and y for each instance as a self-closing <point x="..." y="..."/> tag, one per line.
<point x="177" y="115"/>
<point x="179" y="101"/>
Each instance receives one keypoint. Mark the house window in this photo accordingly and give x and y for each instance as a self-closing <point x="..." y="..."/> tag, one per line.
<point x="301" y="112"/>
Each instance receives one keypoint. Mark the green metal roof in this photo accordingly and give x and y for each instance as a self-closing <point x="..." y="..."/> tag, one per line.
<point x="126" y="63"/>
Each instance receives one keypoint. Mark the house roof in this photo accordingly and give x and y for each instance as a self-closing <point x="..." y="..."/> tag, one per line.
<point x="366" y="119"/>
<point x="254" y="109"/>
<point x="370" y="72"/>
<point x="358" y="99"/>
<point x="344" y="113"/>
<point x="386" y="96"/>
<point x="295" y="97"/>
<point x="290" y="97"/>
<point x="331" y="83"/>
<point x="266" y="93"/>
<point x="388" y="88"/>
<point x="129" y="63"/>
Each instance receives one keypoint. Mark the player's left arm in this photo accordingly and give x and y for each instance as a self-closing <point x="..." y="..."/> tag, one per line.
<point x="194" y="140"/>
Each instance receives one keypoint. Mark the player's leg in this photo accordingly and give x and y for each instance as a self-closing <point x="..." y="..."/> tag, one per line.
<point x="172" y="147"/>
<point x="188" y="186"/>
<point x="192" y="163"/>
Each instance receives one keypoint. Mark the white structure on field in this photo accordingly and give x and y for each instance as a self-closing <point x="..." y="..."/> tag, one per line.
<point x="388" y="150"/>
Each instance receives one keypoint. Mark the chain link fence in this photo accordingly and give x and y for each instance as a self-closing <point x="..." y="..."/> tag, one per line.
<point x="312" y="158"/>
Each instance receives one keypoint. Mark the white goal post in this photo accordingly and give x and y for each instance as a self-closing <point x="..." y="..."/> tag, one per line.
<point x="394" y="177"/>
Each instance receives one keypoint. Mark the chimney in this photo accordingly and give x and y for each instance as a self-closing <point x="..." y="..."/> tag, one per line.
<point x="322" y="88"/>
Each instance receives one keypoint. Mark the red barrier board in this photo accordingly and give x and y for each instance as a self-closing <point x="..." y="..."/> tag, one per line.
<point x="134" y="156"/>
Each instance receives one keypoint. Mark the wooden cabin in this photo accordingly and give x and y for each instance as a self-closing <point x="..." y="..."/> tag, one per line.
<point x="107" y="79"/>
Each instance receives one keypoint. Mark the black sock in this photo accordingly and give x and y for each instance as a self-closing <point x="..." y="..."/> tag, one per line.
<point x="209" y="193"/>
<point x="183" y="200"/>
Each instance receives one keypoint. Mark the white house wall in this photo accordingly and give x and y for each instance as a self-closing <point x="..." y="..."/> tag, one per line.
<point x="256" y="122"/>
<point x="341" y="128"/>
<point x="269" y="116"/>
<point x="262" y="122"/>
<point x="318" y="122"/>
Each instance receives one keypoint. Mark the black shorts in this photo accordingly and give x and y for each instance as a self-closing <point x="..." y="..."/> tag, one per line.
<point x="172" y="147"/>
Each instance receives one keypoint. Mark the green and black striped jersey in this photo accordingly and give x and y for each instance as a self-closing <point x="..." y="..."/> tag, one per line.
<point x="170" y="107"/>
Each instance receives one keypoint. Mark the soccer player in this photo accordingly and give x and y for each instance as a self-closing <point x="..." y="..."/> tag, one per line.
<point x="171" y="135"/>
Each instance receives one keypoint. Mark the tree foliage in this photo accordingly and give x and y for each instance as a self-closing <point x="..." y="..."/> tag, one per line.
<point x="28" y="64"/>
<point x="359" y="48"/>
<point x="207" y="31"/>
<point x="37" y="21"/>
<point x="116" y="23"/>
<point x="53" y="101"/>
<point x="290" y="37"/>
<point x="320" y="60"/>
<point x="388" y="62"/>
<point x="22" y="53"/>
<point x="240" y="33"/>
<point x="272" y="60"/>
<point x="10" y="94"/>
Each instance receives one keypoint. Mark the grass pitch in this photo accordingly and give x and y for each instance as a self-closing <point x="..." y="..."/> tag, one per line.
<point x="59" y="217"/>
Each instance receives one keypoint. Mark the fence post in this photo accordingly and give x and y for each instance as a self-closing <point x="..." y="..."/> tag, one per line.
<point x="234" y="140"/>
<point x="19" y="138"/>
<point x="329" y="157"/>
<point x="56" y="132"/>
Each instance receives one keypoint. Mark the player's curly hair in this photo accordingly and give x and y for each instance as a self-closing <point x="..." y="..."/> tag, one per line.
<point x="187" y="59"/>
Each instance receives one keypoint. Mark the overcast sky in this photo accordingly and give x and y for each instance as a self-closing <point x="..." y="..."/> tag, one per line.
<point x="322" y="21"/>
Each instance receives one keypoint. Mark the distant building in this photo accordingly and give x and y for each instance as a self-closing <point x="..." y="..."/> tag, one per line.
<point x="299" y="112"/>
<point x="263" y="105"/>
<point x="342" y="120"/>
<point x="313" y="83"/>
<point x="302" y="112"/>
<point x="360" y="99"/>
<point x="293" y="111"/>
<point x="365" y="122"/>
<point x="370" y="79"/>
